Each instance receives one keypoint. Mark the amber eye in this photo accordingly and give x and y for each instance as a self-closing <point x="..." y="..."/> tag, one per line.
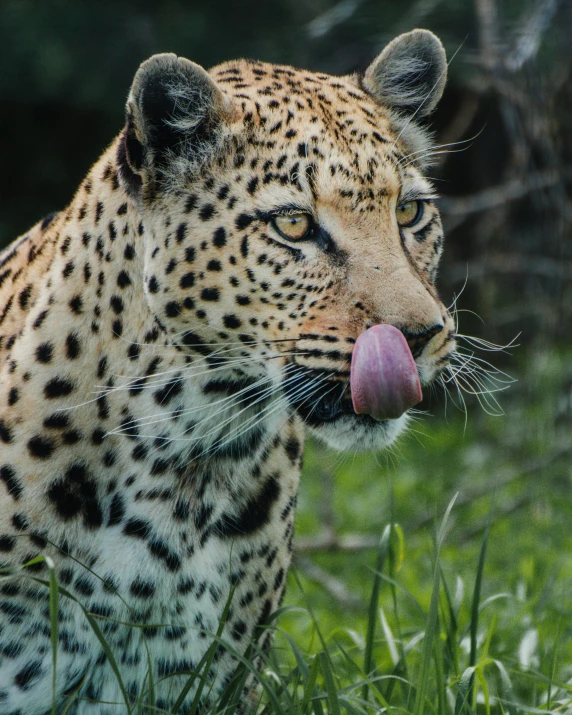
<point x="410" y="213"/>
<point x="294" y="227"/>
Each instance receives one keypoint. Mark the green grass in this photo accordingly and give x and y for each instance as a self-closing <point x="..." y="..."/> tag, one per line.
<point x="504" y="610"/>
<point x="446" y="584"/>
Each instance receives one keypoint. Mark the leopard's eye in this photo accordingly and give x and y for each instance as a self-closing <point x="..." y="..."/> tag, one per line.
<point x="294" y="227"/>
<point x="410" y="213"/>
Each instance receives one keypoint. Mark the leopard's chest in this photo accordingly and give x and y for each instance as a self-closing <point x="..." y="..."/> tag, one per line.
<point x="164" y="592"/>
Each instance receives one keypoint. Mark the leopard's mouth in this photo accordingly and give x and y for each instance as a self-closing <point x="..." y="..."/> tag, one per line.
<point x="327" y="408"/>
<point x="383" y="381"/>
<point x="320" y="400"/>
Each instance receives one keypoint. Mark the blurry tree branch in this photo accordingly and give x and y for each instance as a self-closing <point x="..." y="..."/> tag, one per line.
<point x="327" y="541"/>
<point x="333" y="16"/>
<point x="488" y="33"/>
<point x="514" y="264"/>
<point x="416" y="14"/>
<point x="499" y="195"/>
<point x="527" y="469"/>
<point x="531" y="33"/>
<point x="333" y="585"/>
<point x="342" y="11"/>
<point x="529" y="36"/>
<point x="330" y="541"/>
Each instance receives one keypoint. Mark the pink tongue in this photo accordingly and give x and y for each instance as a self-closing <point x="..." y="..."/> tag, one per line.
<point x="383" y="378"/>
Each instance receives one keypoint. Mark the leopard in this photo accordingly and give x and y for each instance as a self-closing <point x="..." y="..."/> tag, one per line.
<point x="167" y="340"/>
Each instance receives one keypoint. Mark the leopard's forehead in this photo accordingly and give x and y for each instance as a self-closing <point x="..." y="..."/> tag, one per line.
<point x="304" y="117"/>
<point x="317" y="101"/>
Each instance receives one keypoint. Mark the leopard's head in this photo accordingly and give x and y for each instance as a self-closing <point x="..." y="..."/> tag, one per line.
<point x="285" y="213"/>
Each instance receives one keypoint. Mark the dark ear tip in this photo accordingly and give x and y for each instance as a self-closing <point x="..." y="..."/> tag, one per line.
<point x="159" y="62"/>
<point x="420" y="36"/>
<point x="418" y="41"/>
<point x="156" y="69"/>
<point x="163" y="72"/>
<point x="426" y="45"/>
<point x="410" y="73"/>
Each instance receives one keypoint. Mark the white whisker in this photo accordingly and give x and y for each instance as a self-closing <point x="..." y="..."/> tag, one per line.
<point x="250" y="424"/>
<point x="437" y="147"/>
<point x="487" y="345"/>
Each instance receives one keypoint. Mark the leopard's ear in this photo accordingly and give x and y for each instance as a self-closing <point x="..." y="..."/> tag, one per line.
<point x="409" y="75"/>
<point x="174" y="112"/>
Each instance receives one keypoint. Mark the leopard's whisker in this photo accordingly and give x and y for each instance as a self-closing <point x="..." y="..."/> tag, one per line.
<point x="228" y="398"/>
<point x="254" y="341"/>
<point x="437" y="147"/>
<point x="166" y="416"/>
<point x="246" y="426"/>
<point x="309" y="390"/>
<point x="432" y="153"/>
<point x="462" y="399"/>
<point x="483" y="365"/>
<point x="487" y="345"/>
<point x="228" y="346"/>
<point x="281" y="402"/>
<point x="476" y="376"/>
<point x="150" y="382"/>
<point x="453" y="304"/>
<point x="485" y="397"/>
<point x="264" y="412"/>
<point x="318" y="401"/>
<point x="468" y="372"/>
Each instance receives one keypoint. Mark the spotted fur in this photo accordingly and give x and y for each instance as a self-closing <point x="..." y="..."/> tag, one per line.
<point x="162" y="347"/>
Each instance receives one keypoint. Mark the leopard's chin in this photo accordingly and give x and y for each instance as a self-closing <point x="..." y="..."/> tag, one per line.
<point x="330" y="416"/>
<point x="359" y="433"/>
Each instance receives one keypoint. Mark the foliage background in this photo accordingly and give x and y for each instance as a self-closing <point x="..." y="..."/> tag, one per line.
<point x="504" y="170"/>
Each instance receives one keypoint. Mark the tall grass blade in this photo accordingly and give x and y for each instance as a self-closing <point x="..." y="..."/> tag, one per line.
<point x="452" y="628"/>
<point x="312" y="615"/>
<point x="477" y="593"/>
<point x="151" y="685"/>
<point x="462" y="701"/>
<point x="485" y="688"/>
<point x="54" y="628"/>
<point x="230" y="698"/>
<point x="72" y="697"/>
<point x="373" y="606"/>
<point x="204" y="665"/>
<point x="300" y="661"/>
<point x="96" y="630"/>
<point x="309" y="686"/>
<point x="329" y="684"/>
<point x="440" y="681"/>
<point x="432" y="622"/>
<point x="443" y="527"/>
<point x="509" y="696"/>
<point x="393" y="568"/>
<point x="267" y="683"/>
<point x="431" y="626"/>
<point x="110" y="657"/>
<point x="553" y="660"/>
<point x="389" y="638"/>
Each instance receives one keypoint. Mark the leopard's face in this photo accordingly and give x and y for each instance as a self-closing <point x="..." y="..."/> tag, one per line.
<point x="306" y="224"/>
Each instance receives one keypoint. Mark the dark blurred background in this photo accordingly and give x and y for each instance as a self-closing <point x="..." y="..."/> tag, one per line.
<point x="503" y="129"/>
